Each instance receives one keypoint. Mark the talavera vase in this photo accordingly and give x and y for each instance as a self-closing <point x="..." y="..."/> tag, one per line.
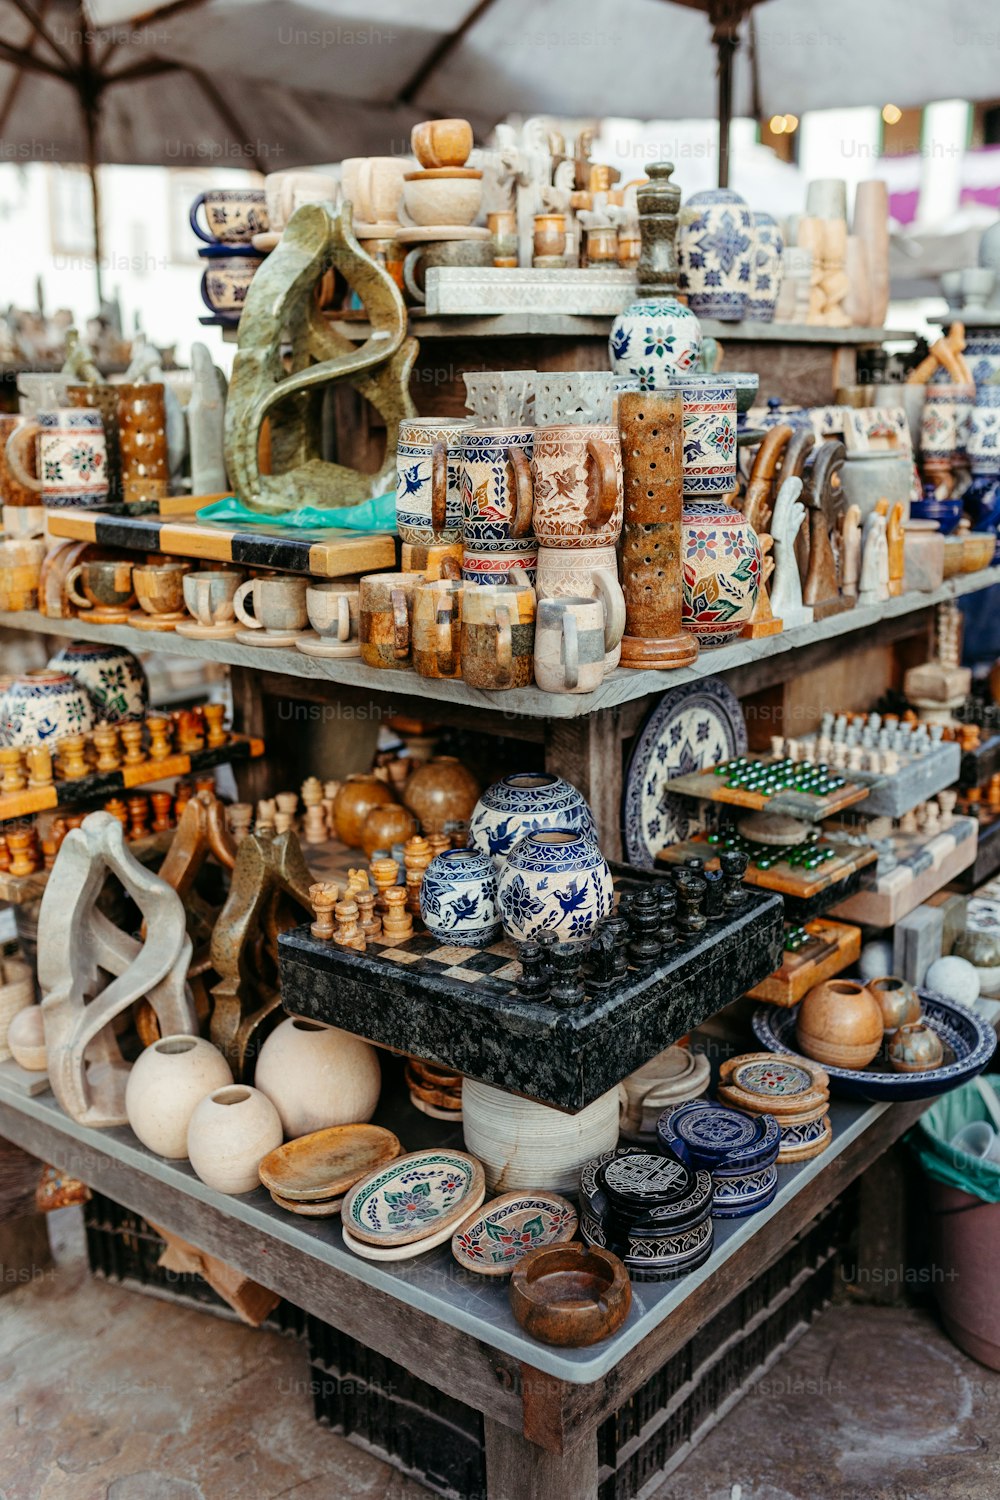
<point x="715" y="244"/>
<point x="112" y="676"/>
<point x="556" y="883"/>
<point x="516" y="806"/>
<point x="765" y="270"/>
<point x="721" y="561"/>
<point x="654" y="340"/>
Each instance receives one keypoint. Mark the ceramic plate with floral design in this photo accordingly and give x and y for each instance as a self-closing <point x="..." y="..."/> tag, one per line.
<point x="413" y="1197"/>
<point x="690" y="728"/>
<point x="494" y="1240"/>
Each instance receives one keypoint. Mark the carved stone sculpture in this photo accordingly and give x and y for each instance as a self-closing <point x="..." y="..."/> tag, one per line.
<point x="786" y="595"/>
<point x="850" y="552"/>
<point x="281" y="311"/>
<point x="269" y="892"/>
<point x="825" y="502"/>
<point x="206" y="412"/>
<point x="90" y="971"/>
<point x="874" y="588"/>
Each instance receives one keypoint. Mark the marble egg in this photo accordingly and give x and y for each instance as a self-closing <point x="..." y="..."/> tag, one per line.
<point x="954" y="978"/>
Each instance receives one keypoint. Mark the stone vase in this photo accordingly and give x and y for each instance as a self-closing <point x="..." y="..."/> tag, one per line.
<point x="230" y="1132"/>
<point x="715" y="246"/>
<point x="142" y="438"/>
<point x="441" y="792"/>
<point x="556" y="884"/>
<point x="167" y="1082"/>
<point x="517" y="805"/>
<point x="317" y="1076"/>
<point x="358" y="795"/>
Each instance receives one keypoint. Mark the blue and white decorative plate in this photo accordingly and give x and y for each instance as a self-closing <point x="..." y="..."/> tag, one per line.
<point x="690" y="728"/>
<point x="712" y="1135"/>
<point x="748" y="1193"/>
<point x="969" y="1044"/>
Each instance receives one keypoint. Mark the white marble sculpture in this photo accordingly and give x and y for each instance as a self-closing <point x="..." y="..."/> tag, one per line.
<point x="90" y="971"/>
<point x="786" y="522"/>
<point x="206" y="416"/>
<point x="874" y="584"/>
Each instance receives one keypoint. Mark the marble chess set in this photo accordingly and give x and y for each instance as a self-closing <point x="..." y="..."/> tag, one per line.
<point x="908" y="763"/>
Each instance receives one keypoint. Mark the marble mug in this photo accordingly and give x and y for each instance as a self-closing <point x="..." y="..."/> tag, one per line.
<point x="437" y="628"/>
<point x="105" y="584"/>
<point x="209" y="595"/>
<point x="278" y="605"/>
<point x="233" y="215"/>
<point x="429" y="480"/>
<point x="385" y="609"/>
<point x="159" y="588"/>
<point x="284" y="192"/>
<point x="333" y="610"/>
<point x="496" y="489"/>
<point x="12" y="492"/>
<point x="72" y="458"/>
<point x="374" y="186"/>
<point x="423" y="258"/>
<point x="569" y="645"/>
<point x="577" y="485"/>
<point x="586" y="572"/>
<point x="498" y="635"/>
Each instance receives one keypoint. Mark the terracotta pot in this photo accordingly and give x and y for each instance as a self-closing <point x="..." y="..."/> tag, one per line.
<point x="385" y="826"/>
<point x="167" y="1083"/>
<point x="317" y="1076"/>
<point x="840" y="1023"/>
<point x="230" y="1133"/>
<point x="357" y="797"/>
<point x="441" y="792"/>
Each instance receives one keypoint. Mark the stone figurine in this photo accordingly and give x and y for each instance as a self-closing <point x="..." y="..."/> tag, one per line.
<point x="90" y="971"/>
<point x="874" y="584"/>
<point x="850" y="552"/>
<point x="206" y="413"/>
<point x="786" y="595"/>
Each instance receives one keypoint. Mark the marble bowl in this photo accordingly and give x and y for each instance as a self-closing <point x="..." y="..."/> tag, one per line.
<point x="570" y="1295"/>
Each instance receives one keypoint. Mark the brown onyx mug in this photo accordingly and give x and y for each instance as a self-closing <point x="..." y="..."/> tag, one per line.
<point x="159" y="589"/>
<point x="107" y="589"/>
<point x="578" y="495"/>
<point x="498" y="635"/>
<point x="437" y="628"/>
<point x="386" y="614"/>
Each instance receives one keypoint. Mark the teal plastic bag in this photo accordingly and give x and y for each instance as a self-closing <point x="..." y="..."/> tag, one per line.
<point x="371" y="515"/>
<point x="931" y="1140"/>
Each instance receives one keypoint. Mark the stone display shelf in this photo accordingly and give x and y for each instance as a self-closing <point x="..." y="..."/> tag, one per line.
<point x="483" y="1028"/>
<point x="101" y="785"/>
<point x="621" y="686"/>
<point x="530" y="322"/>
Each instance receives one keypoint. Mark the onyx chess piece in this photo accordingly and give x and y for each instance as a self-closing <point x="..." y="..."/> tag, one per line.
<point x="715" y="895"/>
<point x="533" y="981"/>
<point x="734" y="864"/>
<point x="691" y="892"/>
<point x="644" y="929"/>
<point x="566" y="987"/>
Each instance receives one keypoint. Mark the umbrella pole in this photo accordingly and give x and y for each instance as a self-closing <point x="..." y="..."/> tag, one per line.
<point x="726" y="43"/>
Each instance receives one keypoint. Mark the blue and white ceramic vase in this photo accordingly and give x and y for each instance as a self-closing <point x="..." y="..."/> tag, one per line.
<point x="556" y="884"/>
<point x="458" y="898"/>
<point x="715" y="244"/>
<point x="40" y="707"/>
<point x="982" y="355"/>
<point x="654" y="340"/>
<point x="765" y="270"/>
<point x="112" y="676"/>
<point x="516" y="806"/>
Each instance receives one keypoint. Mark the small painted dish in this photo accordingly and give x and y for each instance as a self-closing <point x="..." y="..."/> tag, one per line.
<point x="326" y="1163"/>
<point x="712" y="1135"/>
<point x="493" y="1240"/>
<point x="414" y="1197"/>
<point x="781" y="1085"/>
<point x="806" y="1143"/>
<point x="736" y="1197"/>
<point x="394" y="1252"/>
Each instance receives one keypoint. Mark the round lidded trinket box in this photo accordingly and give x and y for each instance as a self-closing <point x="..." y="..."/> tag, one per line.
<point x="518" y="804"/>
<point x="766" y="1081"/>
<point x="712" y="1135"/>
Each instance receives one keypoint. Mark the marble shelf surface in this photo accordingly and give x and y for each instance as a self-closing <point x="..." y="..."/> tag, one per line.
<point x="433" y="1283"/>
<point x="620" y="687"/>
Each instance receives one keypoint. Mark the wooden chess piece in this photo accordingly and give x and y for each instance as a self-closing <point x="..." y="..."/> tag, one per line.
<point x="162" y="809"/>
<point x="183" y="792"/>
<point x="131" y="735"/>
<point x="347" y="933"/>
<point x="896" y="538"/>
<point x="159" y="737"/>
<point x="385" y="873"/>
<point x="288" y="803"/>
<point x="266" y="811"/>
<point x="438" y="842"/>
<point x="397" y="924"/>
<point x="239" y="816"/>
<point x="24" y="858"/>
<point x="116" y="807"/>
<point x="138" y="817"/>
<point x="216" y="736"/>
<point x="371" y="925"/>
<point x="357" y="880"/>
<point x="39" y="762"/>
<point x="416" y="858"/>
<point x="71" y="757"/>
<point x="188" y="736"/>
<point x="105" y="739"/>
<point x="13" y="775"/>
<point x="324" y="896"/>
<point x="653" y="474"/>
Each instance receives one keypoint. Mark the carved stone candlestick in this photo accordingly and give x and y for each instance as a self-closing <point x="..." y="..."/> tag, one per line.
<point x="651" y="436"/>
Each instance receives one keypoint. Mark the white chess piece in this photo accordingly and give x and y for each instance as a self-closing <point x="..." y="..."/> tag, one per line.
<point x="874" y="584"/>
<point x="786" y="588"/>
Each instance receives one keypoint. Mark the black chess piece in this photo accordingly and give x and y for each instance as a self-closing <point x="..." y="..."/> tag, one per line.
<point x="695" y="863"/>
<point x="691" y="917"/>
<point x="617" y="925"/>
<point x="734" y="864"/>
<point x="601" y="964"/>
<point x="666" y="897"/>
<point x="644" y="929"/>
<point x="715" y="895"/>
<point x="566" y="986"/>
<point x="533" y="983"/>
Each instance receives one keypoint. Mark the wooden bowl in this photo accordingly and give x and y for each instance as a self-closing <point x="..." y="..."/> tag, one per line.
<point x="840" y="1023"/>
<point x="570" y="1295"/>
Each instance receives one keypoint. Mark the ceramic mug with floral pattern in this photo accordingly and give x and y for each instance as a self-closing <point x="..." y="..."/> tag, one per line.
<point x="72" y="458"/>
<point x="576" y="474"/>
<point x="709" y="438"/>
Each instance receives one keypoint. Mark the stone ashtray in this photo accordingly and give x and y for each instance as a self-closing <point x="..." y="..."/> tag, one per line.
<point x="570" y="1295"/>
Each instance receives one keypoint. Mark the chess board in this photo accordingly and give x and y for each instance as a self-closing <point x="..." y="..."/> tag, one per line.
<point x="711" y="786"/>
<point x="832" y="946"/>
<point x="460" y="1007"/>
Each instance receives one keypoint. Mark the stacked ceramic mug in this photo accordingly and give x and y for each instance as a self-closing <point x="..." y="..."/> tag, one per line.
<point x="233" y="216"/>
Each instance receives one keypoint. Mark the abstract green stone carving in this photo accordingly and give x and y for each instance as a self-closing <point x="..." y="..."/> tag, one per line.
<point x="268" y="381"/>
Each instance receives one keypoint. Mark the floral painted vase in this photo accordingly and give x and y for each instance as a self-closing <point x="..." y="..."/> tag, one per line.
<point x="41" y="707"/>
<point x="112" y="676"/>
<point x="715" y="244"/>
<point x="982" y="355"/>
<point x="458" y="898"/>
<point x="518" y="805"/>
<point x="654" y="340"/>
<point x="765" y="269"/>
<point x="721" y="560"/>
<point x="556" y="883"/>
<point x="709" y="434"/>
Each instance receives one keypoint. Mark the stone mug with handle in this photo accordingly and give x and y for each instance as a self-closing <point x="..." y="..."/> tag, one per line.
<point x="209" y="596"/>
<point x="578" y="492"/>
<point x="496" y="489"/>
<point x="584" y="572"/>
<point x="386" y="613"/>
<point x="437" y="628"/>
<point x="498" y="634"/>
<point x="107" y="589"/>
<point x="569" y="645"/>
<point x="423" y="258"/>
<point x="429" y="480"/>
<point x="278" y="606"/>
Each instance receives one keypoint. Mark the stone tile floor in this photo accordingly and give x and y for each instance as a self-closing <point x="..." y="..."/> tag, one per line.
<point x="109" y="1395"/>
